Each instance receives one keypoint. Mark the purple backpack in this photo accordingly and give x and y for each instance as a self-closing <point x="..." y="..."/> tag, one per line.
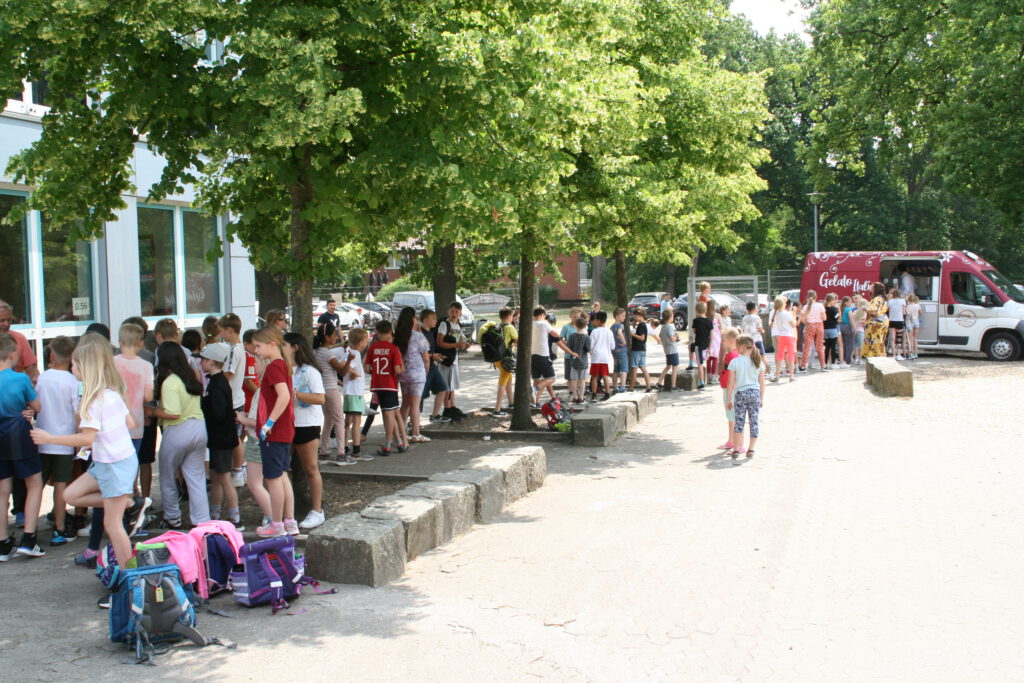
<point x="270" y="573"/>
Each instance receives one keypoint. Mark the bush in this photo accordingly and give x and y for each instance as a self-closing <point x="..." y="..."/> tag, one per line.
<point x="547" y="295"/>
<point x="388" y="291"/>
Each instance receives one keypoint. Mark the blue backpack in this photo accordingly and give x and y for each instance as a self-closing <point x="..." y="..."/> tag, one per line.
<point x="152" y="608"/>
<point x="270" y="573"/>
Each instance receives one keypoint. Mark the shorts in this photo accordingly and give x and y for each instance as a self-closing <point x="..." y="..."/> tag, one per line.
<point x="147" y="449"/>
<point x="450" y="374"/>
<point x="896" y="324"/>
<point x="504" y="376"/>
<point x="832" y="333"/>
<point x="355" y="404"/>
<point x="578" y="373"/>
<point x="387" y="400"/>
<point x="305" y="435"/>
<point x="760" y="346"/>
<point x="277" y="458"/>
<point x="252" y="451"/>
<point x="20" y="469"/>
<point x="435" y="383"/>
<point x="411" y="388"/>
<point x="115" y="478"/>
<point x="858" y="338"/>
<point x="56" y="467"/>
<point x="916" y="323"/>
<point x="638" y="359"/>
<point x="730" y="413"/>
<point x="598" y="369"/>
<point x="671" y="359"/>
<point x="220" y="459"/>
<point x="541" y="367"/>
<point x="621" y="359"/>
<point x="702" y="354"/>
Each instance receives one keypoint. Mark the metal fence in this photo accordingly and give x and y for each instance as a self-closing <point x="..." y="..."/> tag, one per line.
<point x="777" y="281"/>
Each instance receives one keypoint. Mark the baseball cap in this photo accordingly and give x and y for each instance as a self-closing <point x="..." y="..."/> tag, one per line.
<point x="218" y="352"/>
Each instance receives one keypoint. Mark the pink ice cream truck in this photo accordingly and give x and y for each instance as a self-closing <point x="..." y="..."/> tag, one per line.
<point x="966" y="304"/>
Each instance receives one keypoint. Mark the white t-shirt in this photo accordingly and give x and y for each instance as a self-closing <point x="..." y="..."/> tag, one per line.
<point x="896" y="307"/>
<point x="107" y="416"/>
<point x="308" y="380"/>
<point x="908" y="285"/>
<point x="782" y="324"/>
<point x="602" y="343"/>
<point x="236" y="365"/>
<point x="58" y="400"/>
<point x="354" y="386"/>
<point x="752" y="326"/>
<point x="541" y="332"/>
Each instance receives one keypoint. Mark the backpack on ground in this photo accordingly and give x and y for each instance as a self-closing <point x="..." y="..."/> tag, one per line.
<point x="556" y="414"/>
<point x="152" y="607"/>
<point x="219" y="543"/>
<point x="492" y="343"/>
<point x="271" y="572"/>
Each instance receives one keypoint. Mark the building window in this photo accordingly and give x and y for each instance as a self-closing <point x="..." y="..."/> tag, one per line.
<point x="156" y="261"/>
<point x="14" y="281"/>
<point x="202" y="275"/>
<point x="396" y="261"/>
<point x="67" y="275"/>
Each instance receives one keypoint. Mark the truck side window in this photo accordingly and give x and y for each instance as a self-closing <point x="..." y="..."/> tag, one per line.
<point x="968" y="288"/>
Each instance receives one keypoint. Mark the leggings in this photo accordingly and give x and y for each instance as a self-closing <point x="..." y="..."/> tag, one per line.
<point x="712" y="365"/>
<point x="334" y="416"/>
<point x="184" y="447"/>
<point x="846" y="332"/>
<point x="785" y="349"/>
<point x="747" y="402"/>
<point x="832" y="350"/>
<point x="814" y="334"/>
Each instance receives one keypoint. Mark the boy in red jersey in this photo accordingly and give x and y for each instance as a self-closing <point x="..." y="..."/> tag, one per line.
<point x="383" y="363"/>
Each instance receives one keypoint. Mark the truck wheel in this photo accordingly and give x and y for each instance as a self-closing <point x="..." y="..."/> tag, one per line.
<point x="1002" y="346"/>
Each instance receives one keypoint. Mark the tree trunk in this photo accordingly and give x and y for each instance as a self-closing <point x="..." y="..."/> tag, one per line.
<point x="444" y="279"/>
<point x="670" y="278"/>
<point x="597" y="267"/>
<point x="523" y="392"/>
<point x="270" y="288"/>
<point x="621" y="296"/>
<point x="301" y="294"/>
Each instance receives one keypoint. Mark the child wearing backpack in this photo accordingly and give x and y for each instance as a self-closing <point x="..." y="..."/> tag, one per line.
<point x="58" y="400"/>
<point x="104" y="426"/>
<point x="579" y="344"/>
<point x="221" y="436"/>
<point x="496" y="342"/>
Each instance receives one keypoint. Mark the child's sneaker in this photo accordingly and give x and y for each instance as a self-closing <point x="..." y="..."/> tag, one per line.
<point x="291" y="527"/>
<point x="135" y="515"/>
<point x="87" y="558"/>
<point x="383" y="452"/>
<point x="31" y="551"/>
<point x="271" y="530"/>
<point x="362" y="457"/>
<point x="7" y="549"/>
<point x="314" y="519"/>
<point x="57" y="538"/>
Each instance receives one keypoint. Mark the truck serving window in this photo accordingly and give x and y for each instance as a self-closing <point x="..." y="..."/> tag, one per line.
<point x="1004" y="284"/>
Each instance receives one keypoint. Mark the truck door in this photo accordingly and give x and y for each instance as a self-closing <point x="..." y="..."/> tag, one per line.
<point x="965" y="317"/>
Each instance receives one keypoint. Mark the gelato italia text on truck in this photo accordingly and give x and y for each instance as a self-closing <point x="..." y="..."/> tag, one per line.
<point x="966" y="304"/>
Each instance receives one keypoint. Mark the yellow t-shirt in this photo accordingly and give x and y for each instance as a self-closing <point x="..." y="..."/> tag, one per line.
<point x="177" y="401"/>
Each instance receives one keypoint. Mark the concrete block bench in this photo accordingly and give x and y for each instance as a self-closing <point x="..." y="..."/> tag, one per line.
<point x="350" y="548"/>
<point x="458" y="504"/>
<point x="888" y="378"/>
<point x="594" y="428"/>
<point x="422" y="519"/>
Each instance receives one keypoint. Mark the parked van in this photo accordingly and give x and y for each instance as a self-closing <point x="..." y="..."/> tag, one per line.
<point x="966" y="304"/>
<point x="424" y="299"/>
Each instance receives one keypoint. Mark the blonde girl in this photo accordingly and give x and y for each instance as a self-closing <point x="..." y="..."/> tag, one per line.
<point x="783" y="337"/>
<point x="716" y="316"/>
<point x="913" y="324"/>
<point x="104" y="426"/>
<point x="859" y="316"/>
<point x="275" y="420"/>
<point x="746" y="393"/>
<point x="253" y="456"/>
<point x="812" y="315"/>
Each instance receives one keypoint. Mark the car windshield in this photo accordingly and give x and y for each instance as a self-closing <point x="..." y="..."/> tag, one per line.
<point x="1004" y="284"/>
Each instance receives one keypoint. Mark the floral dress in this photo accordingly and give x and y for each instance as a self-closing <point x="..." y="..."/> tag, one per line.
<point x="877" y="328"/>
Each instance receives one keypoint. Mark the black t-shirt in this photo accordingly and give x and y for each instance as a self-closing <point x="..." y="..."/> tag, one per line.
<point x="332" y="318"/>
<point x="639" y="344"/>
<point x="831" y="317"/>
<point x="219" y="414"/>
<point x="702" y="331"/>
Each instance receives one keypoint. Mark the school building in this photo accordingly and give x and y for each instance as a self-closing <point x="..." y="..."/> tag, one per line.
<point x="151" y="261"/>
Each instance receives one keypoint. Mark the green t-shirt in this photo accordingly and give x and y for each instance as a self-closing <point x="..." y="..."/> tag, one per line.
<point x="177" y="401"/>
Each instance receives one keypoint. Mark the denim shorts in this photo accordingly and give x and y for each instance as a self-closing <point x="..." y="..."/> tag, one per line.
<point x="115" y="478"/>
<point x="671" y="359"/>
<point x="832" y="333"/>
<point x="621" y="359"/>
<point x="638" y="359"/>
<point x="277" y="458"/>
<point x="20" y="469"/>
<point x="435" y="383"/>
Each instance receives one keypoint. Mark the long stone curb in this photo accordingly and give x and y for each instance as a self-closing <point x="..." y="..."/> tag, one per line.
<point x="602" y="423"/>
<point x="371" y="547"/>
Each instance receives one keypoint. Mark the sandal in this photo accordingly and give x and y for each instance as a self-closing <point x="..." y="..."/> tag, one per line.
<point x="734" y="454"/>
<point x="419" y="438"/>
<point x="750" y="453"/>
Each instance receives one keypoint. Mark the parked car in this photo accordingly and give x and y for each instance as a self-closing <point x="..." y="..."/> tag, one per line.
<point x="763" y="305"/>
<point x="792" y="294"/>
<point x="647" y="300"/>
<point x="425" y="299"/>
<point x="379" y="307"/>
<point x="368" y="317"/>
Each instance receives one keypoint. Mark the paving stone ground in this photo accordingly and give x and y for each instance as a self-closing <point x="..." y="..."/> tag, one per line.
<point x="870" y="539"/>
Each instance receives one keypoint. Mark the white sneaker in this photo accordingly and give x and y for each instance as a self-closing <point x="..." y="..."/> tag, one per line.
<point x="312" y="520"/>
<point x="899" y="357"/>
<point x="238" y="477"/>
<point x="845" y="365"/>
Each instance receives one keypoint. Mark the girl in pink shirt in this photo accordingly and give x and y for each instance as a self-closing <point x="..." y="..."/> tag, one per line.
<point x="813" y="316"/>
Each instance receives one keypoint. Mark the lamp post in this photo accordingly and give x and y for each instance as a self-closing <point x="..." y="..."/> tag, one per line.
<point x="814" y="197"/>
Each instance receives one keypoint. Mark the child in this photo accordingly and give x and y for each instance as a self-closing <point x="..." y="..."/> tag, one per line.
<point x="569" y="329"/>
<point x="436" y="383"/>
<point x="275" y="424"/>
<point x="860" y="321"/>
<point x="450" y="342"/>
<point x="18" y="456"/>
<point x="331" y="368"/>
<point x="192" y="342"/>
<point x="913" y="324"/>
<point x="602" y="345"/>
<point x="746" y="393"/>
<point x="384" y="365"/>
<point x="229" y="329"/>
<point x="784" y="335"/>
<point x="221" y="434"/>
<point x="510" y="337"/>
<point x="897" y="305"/>
<point x="542" y="371"/>
<point x="138" y="381"/>
<point x="579" y="343"/>
<point x="620" y="354"/>
<point x="58" y="400"/>
<point x="832" y="315"/>
<point x="702" y="328"/>
<point x="253" y="457"/>
<point x="716" y="318"/>
<point x="729" y="352"/>
<point x="638" y="350"/>
<point x="669" y="339"/>
<point x="846" y="330"/>
<point x="353" y="390"/>
<point x="252" y="374"/>
<point x="812" y="315"/>
<point x="309" y="397"/>
<point x="753" y="328"/>
<point x="183" y="445"/>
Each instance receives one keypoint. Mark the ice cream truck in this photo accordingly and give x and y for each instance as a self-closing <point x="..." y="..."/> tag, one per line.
<point x="966" y="304"/>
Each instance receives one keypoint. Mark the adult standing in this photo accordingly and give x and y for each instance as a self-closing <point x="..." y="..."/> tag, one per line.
<point x="877" y="328"/>
<point x="27" y="362"/>
<point x="330" y="315"/>
<point x="276" y="318"/>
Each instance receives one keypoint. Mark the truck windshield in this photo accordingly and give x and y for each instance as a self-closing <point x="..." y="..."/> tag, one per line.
<point x="1001" y="281"/>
